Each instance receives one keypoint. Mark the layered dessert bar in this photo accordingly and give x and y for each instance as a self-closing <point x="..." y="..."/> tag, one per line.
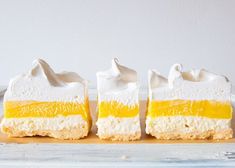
<point x="42" y="102"/>
<point x="189" y="105"/>
<point x="118" y="104"/>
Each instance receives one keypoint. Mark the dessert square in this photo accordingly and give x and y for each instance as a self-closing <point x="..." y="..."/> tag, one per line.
<point x="189" y="105"/>
<point x="118" y="104"/>
<point x="42" y="102"/>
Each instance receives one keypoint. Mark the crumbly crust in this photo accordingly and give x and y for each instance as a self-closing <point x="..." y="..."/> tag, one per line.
<point x="74" y="133"/>
<point x="120" y="137"/>
<point x="216" y="135"/>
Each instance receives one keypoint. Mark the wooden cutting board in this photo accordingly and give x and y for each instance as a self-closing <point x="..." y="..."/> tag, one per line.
<point x="93" y="139"/>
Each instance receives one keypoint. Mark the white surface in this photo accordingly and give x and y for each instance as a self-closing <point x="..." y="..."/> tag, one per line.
<point x="142" y="155"/>
<point x="111" y="126"/>
<point x="83" y="36"/>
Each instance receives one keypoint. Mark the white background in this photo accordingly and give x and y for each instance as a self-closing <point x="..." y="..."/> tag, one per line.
<point x="83" y="36"/>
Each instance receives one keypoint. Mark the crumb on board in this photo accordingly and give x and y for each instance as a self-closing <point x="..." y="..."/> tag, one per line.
<point x="124" y="157"/>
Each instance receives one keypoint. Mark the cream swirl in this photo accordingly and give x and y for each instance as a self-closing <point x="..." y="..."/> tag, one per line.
<point x="118" y="83"/>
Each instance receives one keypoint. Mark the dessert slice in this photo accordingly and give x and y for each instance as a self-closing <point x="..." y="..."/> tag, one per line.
<point x="44" y="103"/>
<point x="118" y="104"/>
<point x="189" y="105"/>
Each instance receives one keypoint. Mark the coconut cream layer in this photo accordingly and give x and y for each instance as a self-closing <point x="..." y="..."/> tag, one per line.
<point x="55" y="123"/>
<point x="118" y="126"/>
<point x="203" y="108"/>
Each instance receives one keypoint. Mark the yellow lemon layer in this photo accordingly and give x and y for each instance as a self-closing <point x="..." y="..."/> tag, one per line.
<point x="21" y="109"/>
<point x="117" y="109"/>
<point x="202" y="108"/>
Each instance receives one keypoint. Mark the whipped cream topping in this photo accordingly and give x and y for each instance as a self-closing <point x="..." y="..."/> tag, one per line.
<point x="196" y="84"/>
<point x="41" y="83"/>
<point x="118" y="84"/>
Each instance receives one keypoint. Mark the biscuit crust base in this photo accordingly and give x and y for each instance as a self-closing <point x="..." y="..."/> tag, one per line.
<point x="45" y="127"/>
<point x="121" y="137"/>
<point x="218" y="135"/>
<point x="74" y="133"/>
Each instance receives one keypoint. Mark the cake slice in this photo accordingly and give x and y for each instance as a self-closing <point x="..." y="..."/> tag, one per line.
<point x="118" y="104"/>
<point x="42" y="102"/>
<point x="189" y="105"/>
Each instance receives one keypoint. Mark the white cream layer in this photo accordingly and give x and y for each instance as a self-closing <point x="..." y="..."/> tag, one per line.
<point x="116" y="126"/>
<point x="185" y="124"/>
<point x="41" y="83"/>
<point x="118" y="84"/>
<point x="37" y="124"/>
<point x="191" y="85"/>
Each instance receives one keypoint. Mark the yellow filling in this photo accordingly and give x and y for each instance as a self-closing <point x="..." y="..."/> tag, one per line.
<point x="202" y="108"/>
<point x="117" y="109"/>
<point x="21" y="109"/>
